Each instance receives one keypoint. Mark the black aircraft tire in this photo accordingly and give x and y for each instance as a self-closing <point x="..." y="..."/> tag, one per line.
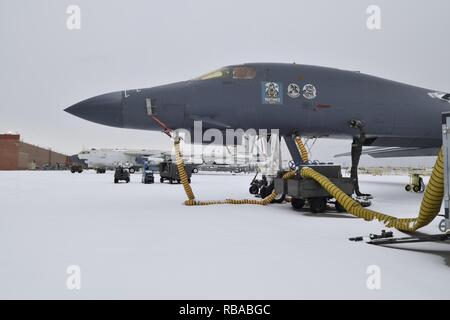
<point x="253" y="189"/>
<point x="297" y="204"/>
<point x="416" y="189"/>
<point x="317" y="205"/>
<point x="408" y="188"/>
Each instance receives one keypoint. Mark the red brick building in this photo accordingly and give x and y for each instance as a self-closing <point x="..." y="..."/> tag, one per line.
<point x="18" y="155"/>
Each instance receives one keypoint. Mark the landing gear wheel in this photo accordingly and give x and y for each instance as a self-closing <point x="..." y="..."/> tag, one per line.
<point x="297" y="204"/>
<point x="408" y="188"/>
<point x="416" y="189"/>
<point x="339" y="207"/>
<point x="317" y="205"/>
<point x="253" y="189"/>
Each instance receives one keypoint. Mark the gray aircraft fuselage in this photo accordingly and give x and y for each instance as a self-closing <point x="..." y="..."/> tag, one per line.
<point x="308" y="100"/>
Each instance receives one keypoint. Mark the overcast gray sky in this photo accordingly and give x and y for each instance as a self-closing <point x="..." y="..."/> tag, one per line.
<point x="135" y="43"/>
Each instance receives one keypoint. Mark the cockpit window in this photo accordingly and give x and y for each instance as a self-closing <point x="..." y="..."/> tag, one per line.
<point x="232" y="72"/>
<point x="221" y="73"/>
<point x="244" y="73"/>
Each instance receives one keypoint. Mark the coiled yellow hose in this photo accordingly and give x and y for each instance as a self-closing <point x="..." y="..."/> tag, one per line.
<point x="429" y="208"/>
<point x="190" y="194"/>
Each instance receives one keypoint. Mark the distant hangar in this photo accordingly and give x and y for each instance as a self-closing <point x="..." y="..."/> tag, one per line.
<point x="18" y="155"/>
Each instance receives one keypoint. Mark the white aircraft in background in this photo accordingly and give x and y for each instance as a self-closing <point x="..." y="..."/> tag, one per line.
<point x="102" y="159"/>
<point x="133" y="159"/>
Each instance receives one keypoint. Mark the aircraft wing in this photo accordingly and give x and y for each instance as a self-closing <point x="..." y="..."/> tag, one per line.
<point x="395" y="152"/>
<point x="147" y="153"/>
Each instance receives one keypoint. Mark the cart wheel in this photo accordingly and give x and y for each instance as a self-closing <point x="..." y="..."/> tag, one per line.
<point x="171" y="181"/>
<point x="442" y="226"/>
<point x="195" y="170"/>
<point x="339" y="207"/>
<point x="253" y="189"/>
<point x="292" y="165"/>
<point x="128" y="180"/>
<point x="416" y="189"/>
<point x="297" y="203"/>
<point x="279" y="198"/>
<point x="317" y="205"/>
<point x="116" y="180"/>
<point x="132" y="170"/>
<point x="408" y="187"/>
<point x="161" y="180"/>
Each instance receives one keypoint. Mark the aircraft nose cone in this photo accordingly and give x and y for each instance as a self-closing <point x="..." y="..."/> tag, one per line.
<point x="106" y="109"/>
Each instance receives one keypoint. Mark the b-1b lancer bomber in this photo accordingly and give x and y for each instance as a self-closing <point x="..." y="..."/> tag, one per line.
<point x="311" y="101"/>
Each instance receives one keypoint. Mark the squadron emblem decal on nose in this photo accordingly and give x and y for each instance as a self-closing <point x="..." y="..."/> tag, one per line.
<point x="309" y="91"/>
<point x="271" y="93"/>
<point x="293" y="91"/>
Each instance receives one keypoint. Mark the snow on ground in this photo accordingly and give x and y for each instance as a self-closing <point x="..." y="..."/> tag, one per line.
<point x="139" y="241"/>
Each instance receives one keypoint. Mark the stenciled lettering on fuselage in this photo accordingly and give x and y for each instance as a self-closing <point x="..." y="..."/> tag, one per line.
<point x="272" y="92"/>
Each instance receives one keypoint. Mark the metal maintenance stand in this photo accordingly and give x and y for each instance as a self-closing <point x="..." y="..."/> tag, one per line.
<point x="445" y="224"/>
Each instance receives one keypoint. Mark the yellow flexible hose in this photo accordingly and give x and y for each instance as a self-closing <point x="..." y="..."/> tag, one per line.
<point x="190" y="194"/>
<point x="301" y="149"/>
<point x="429" y="208"/>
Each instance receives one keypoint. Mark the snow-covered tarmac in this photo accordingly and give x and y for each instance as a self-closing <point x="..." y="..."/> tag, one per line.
<point x="139" y="241"/>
